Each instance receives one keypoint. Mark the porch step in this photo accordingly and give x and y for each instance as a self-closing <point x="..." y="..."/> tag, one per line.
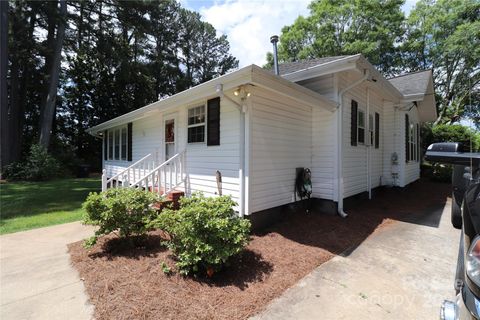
<point x="172" y="199"/>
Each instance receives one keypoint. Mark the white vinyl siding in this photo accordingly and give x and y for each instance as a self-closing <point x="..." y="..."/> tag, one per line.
<point x="323" y="85"/>
<point x="281" y="136"/>
<point x="323" y="153"/>
<point x="355" y="177"/>
<point x="203" y="161"/>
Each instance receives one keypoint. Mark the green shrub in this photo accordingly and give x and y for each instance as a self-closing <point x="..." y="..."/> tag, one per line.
<point x="125" y="210"/>
<point x="39" y="165"/>
<point x="451" y="133"/>
<point x="204" y="233"/>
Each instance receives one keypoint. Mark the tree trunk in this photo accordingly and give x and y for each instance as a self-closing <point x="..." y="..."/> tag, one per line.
<point x="5" y="157"/>
<point x="46" y="118"/>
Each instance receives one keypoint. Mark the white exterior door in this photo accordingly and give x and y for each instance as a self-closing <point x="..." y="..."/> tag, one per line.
<point x="170" y="133"/>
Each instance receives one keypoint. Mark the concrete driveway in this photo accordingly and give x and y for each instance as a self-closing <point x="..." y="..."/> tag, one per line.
<point x="402" y="271"/>
<point x="36" y="278"/>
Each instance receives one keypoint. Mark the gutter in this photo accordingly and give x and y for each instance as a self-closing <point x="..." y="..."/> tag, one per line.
<point x="340" y="211"/>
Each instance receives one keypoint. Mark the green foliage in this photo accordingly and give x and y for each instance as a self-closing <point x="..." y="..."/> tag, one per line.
<point x="338" y="27"/>
<point x="166" y="269"/>
<point x="205" y="232"/>
<point x="451" y="133"/>
<point x="444" y="35"/>
<point x="29" y="205"/>
<point x="118" y="57"/>
<point x="126" y="210"/>
<point x="39" y="165"/>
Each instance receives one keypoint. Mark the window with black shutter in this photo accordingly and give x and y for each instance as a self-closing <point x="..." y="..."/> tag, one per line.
<point x="213" y="122"/>
<point x="377" y="130"/>
<point x="407" y="138"/>
<point x="361" y="126"/>
<point x="353" y="123"/>
<point x="129" y="144"/>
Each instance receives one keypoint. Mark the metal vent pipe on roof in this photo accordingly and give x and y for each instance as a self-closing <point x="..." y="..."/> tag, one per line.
<point x="274" y="40"/>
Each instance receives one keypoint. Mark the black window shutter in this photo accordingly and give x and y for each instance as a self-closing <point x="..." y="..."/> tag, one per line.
<point x="105" y="144"/>
<point x="213" y="122"/>
<point x="377" y="130"/>
<point x="407" y="139"/>
<point x="353" y="123"/>
<point x="129" y="144"/>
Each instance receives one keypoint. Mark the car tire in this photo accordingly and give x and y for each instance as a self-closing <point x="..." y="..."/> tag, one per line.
<point x="456" y="214"/>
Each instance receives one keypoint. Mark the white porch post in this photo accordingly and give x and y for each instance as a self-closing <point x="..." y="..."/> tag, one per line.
<point x="104" y="180"/>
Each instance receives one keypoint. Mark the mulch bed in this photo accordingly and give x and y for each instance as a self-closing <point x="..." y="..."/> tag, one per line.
<point x="130" y="284"/>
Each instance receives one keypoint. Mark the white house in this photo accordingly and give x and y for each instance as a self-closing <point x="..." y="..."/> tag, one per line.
<point x="337" y="116"/>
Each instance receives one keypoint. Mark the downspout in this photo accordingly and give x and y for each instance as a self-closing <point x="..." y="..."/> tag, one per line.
<point x="340" y="211"/>
<point x="241" y="170"/>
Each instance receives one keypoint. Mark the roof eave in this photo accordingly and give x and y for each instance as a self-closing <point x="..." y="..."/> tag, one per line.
<point x="281" y="86"/>
<point x="201" y="91"/>
<point x="248" y="75"/>
<point x="393" y="92"/>
<point x="343" y="64"/>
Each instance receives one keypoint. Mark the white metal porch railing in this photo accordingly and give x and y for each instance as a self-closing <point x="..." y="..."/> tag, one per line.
<point x="166" y="177"/>
<point x="133" y="173"/>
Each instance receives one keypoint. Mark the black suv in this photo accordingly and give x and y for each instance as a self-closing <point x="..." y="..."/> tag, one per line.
<point x="465" y="216"/>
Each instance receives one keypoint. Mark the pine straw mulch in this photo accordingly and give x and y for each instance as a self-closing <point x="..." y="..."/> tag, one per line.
<point x="130" y="284"/>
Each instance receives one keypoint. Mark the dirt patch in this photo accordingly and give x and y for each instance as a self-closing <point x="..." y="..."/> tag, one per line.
<point x="130" y="284"/>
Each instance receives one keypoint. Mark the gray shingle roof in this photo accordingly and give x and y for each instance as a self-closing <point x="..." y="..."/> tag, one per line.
<point x="412" y="83"/>
<point x="289" y="67"/>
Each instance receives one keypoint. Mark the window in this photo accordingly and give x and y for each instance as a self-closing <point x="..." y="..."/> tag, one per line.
<point x="412" y="141"/>
<point x="371" y="127"/>
<point x="110" y="145"/>
<point x="361" y="127"/>
<point x="196" y="124"/>
<point x="118" y="143"/>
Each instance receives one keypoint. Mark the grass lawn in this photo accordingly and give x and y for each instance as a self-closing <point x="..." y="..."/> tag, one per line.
<point x="29" y="205"/>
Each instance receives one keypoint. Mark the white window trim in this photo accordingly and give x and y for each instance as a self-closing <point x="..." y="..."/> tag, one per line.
<point x="121" y="157"/>
<point x="204" y="123"/>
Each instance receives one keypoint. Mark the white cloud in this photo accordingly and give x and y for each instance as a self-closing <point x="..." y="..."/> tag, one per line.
<point x="249" y="24"/>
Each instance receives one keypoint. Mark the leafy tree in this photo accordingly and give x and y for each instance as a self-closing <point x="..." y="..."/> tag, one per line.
<point x="444" y="35"/>
<point x="452" y="133"/>
<point x="116" y="56"/>
<point x="342" y="27"/>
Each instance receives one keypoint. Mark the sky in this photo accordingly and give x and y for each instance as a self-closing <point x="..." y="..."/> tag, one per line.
<point x="249" y="24"/>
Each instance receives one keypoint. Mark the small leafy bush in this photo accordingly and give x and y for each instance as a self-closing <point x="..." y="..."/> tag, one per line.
<point x="39" y="165"/>
<point x="204" y="233"/>
<point x="127" y="211"/>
